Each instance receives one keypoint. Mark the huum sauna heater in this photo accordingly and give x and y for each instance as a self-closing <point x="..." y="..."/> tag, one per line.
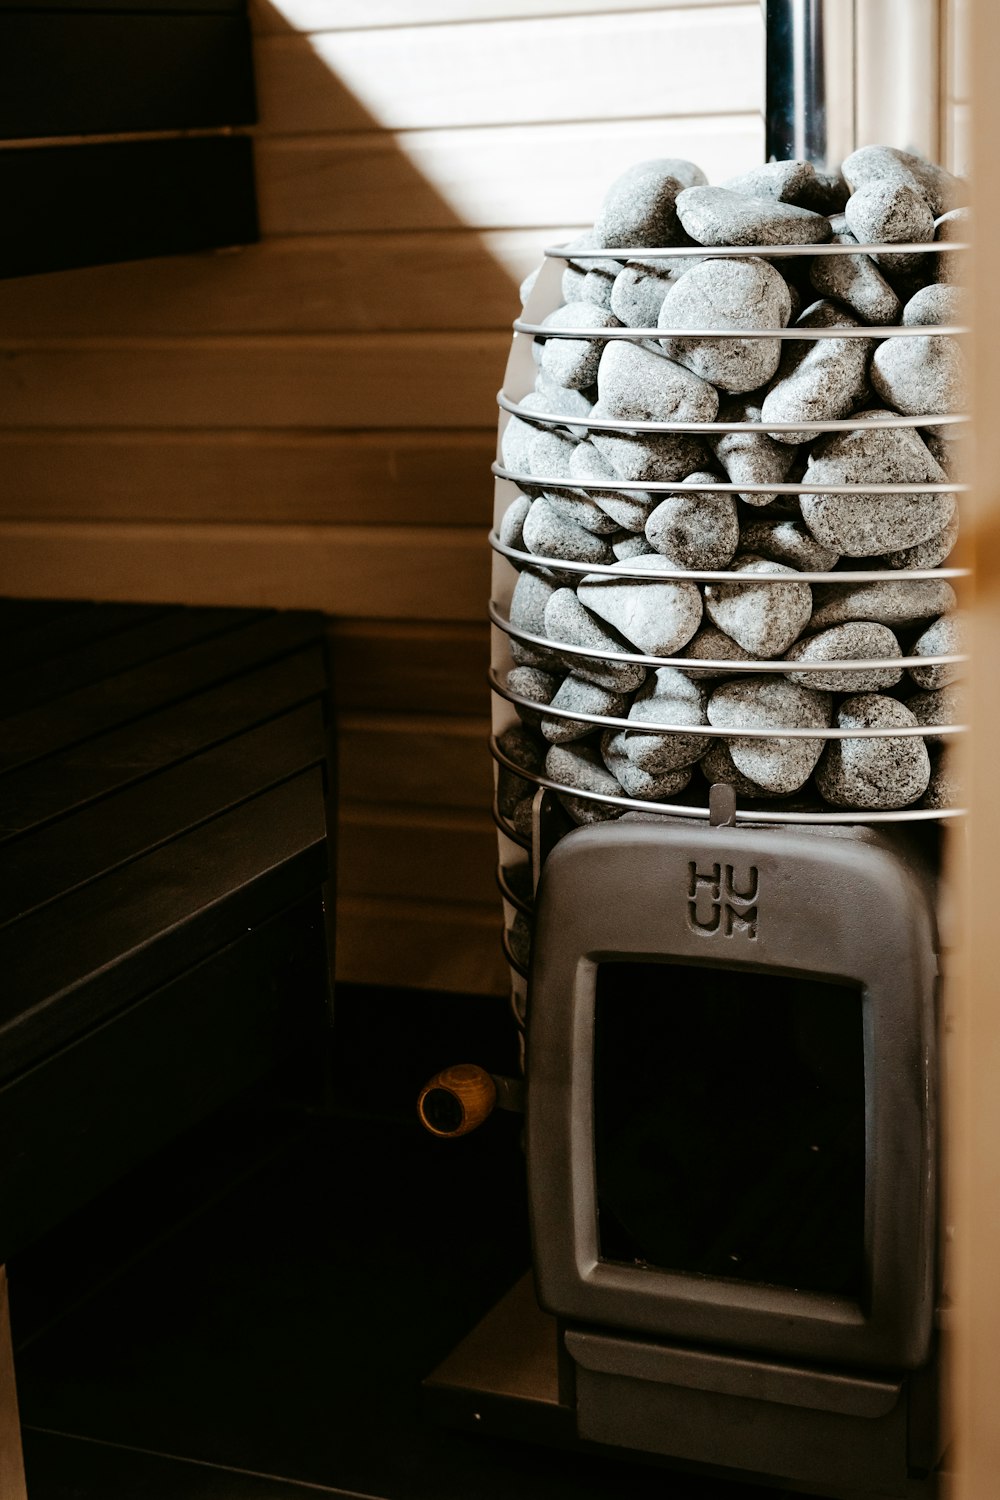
<point x="730" y="993"/>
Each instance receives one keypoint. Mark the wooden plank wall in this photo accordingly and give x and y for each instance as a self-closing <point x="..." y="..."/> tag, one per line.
<point x="310" y="421"/>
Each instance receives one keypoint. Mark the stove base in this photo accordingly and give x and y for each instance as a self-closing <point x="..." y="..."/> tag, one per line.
<point x="834" y="1436"/>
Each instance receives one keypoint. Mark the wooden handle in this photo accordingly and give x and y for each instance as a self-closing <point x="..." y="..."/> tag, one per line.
<point x="456" y="1100"/>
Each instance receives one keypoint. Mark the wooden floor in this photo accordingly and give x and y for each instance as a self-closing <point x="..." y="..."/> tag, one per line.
<point x="250" y="1318"/>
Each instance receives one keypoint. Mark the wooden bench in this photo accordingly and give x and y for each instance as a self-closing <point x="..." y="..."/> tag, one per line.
<point x="164" y="780"/>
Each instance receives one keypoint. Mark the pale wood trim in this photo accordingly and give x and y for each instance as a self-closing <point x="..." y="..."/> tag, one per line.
<point x="12" y="1484"/>
<point x="974" y="992"/>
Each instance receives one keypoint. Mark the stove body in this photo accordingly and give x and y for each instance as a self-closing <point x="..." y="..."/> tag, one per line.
<point x="731" y="1145"/>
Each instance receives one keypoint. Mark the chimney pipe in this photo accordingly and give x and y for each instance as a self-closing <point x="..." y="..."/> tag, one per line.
<point x="809" y="83"/>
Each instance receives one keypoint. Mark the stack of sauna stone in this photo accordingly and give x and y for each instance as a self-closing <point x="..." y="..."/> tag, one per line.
<point x="880" y="196"/>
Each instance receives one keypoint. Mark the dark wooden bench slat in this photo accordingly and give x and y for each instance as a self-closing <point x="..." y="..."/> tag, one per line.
<point x="155" y="1069"/>
<point x="145" y="641"/>
<point x="80" y="715"/>
<point x="107" y="834"/>
<point x="72" y="631"/>
<point x="36" y="794"/>
<point x="137" y="927"/>
<point x="25" y="614"/>
<point x="93" y="73"/>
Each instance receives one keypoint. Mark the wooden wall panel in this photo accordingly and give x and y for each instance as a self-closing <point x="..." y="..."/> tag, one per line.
<point x="311" y="421"/>
<point x="486" y="178"/>
<point x="326" y="283"/>
<point x="420" y="572"/>
<point x="377" y="380"/>
<point x="429" y="478"/>
<point x="348" y="15"/>
<point x="489" y="73"/>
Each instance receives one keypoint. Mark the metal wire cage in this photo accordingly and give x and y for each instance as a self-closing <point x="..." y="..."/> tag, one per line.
<point x="510" y="706"/>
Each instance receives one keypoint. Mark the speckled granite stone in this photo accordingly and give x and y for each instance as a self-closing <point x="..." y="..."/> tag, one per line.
<point x="639" y="207"/>
<point x="818" y="380"/>
<point x="945" y="637"/>
<point x="568" y="621"/>
<point x="764" y="618"/>
<point x="751" y="457"/>
<point x="873" y="774"/>
<point x="634" y="382"/>
<point x="716" y="216"/>
<point x="778" y="764"/>
<point x="727" y="294"/>
<point x="656" y="617"/>
<point x="579" y="696"/>
<point x="859" y="640"/>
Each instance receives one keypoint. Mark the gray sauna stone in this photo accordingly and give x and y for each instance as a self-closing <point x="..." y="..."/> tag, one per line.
<point x="785" y="181"/>
<point x="818" y="380"/>
<point x="641" y="286"/>
<point x="874" y="774"/>
<point x="511" y="531"/>
<point x="944" y="789"/>
<point x="750" y="457"/>
<point x="631" y="545"/>
<point x="717" y="765"/>
<point x="532" y="592"/>
<point x="582" y="697"/>
<point x="937" y="303"/>
<point x="716" y="216"/>
<point x="648" y="456"/>
<point x="890" y="211"/>
<point x="922" y="374"/>
<point x="858" y="640"/>
<point x="668" y="696"/>
<point x="940" y="706"/>
<point x="698" y="530"/>
<point x="649" y="786"/>
<point x="940" y="188"/>
<point x="865" y="524"/>
<point x="709" y="643"/>
<point x="628" y="509"/>
<point x="763" y="618"/>
<point x="945" y="637"/>
<point x="634" y="382"/>
<point x="547" y="533"/>
<point x="515" y="445"/>
<point x="896" y="601"/>
<point x="523" y="747"/>
<point x="778" y="764"/>
<point x="657" y="616"/>
<point x="787" y="541"/>
<point x="929" y="554"/>
<point x="580" y="766"/>
<point x="956" y="225"/>
<point x="856" y="281"/>
<point x="549" y="398"/>
<point x="727" y="294"/>
<point x="639" y="207"/>
<point x="568" y="621"/>
<point x="574" y="362"/>
<point x="533" y="683"/>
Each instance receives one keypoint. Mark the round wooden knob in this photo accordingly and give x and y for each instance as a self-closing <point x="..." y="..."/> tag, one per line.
<point x="456" y="1100"/>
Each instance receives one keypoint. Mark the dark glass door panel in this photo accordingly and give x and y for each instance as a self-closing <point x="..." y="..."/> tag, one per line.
<point x="729" y="1122"/>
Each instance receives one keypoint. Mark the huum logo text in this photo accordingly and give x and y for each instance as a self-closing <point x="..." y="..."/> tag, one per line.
<point x="719" y="902"/>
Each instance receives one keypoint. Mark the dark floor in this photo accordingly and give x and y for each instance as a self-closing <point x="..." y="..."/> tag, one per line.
<point x="250" y="1317"/>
